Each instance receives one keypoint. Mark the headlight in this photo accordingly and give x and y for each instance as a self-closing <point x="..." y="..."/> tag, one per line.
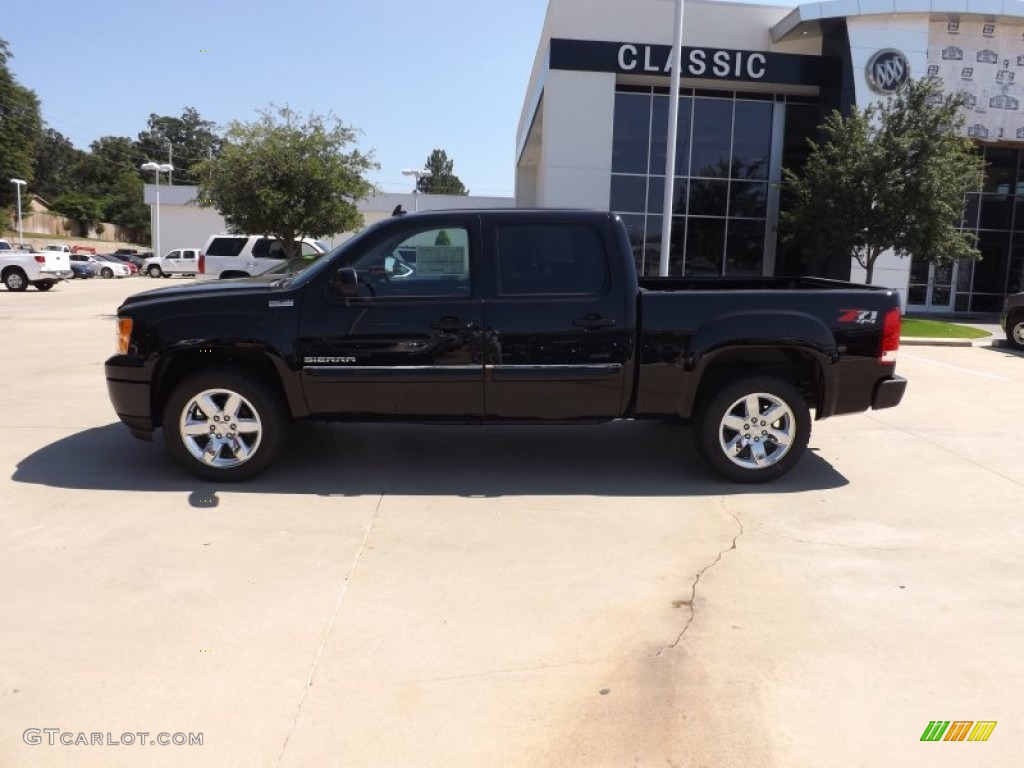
<point x="124" y="334"/>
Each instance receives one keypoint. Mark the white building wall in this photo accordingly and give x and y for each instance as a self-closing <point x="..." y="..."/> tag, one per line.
<point x="576" y="149"/>
<point x="868" y="35"/>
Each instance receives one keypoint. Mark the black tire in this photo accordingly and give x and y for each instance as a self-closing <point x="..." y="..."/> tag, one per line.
<point x="233" y="275"/>
<point x="741" y="456"/>
<point x="260" y="408"/>
<point x="106" y="273"/>
<point x="153" y="270"/>
<point x="44" y="285"/>
<point x="15" y="280"/>
<point x="1015" y="330"/>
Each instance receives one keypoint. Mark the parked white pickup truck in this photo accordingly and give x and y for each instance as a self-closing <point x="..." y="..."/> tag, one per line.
<point x="19" y="270"/>
<point x="180" y="261"/>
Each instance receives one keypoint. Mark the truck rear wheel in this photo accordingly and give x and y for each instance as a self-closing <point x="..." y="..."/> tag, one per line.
<point x="44" y="285"/>
<point x="753" y="430"/>
<point x="15" y="280"/>
<point x="1015" y="330"/>
<point x="224" y="427"/>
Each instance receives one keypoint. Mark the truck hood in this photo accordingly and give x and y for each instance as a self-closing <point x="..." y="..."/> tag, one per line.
<point x="249" y="286"/>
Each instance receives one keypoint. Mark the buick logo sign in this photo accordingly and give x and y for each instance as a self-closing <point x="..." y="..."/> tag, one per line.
<point x="887" y="70"/>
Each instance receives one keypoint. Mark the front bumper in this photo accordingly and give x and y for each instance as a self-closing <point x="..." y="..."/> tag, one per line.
<point x="888" y="392"/>
<point x="128" y="386"/>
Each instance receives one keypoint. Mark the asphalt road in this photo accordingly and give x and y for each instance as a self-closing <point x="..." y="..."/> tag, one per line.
<point x="522" y="596"/>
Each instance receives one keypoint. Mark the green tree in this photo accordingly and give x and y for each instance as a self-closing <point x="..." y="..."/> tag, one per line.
<point x="20" y="130"/>
<point x="81" y="209"/>
<point x="55" y="155"/>
<point x="442" y="179"/>
<point x="891" y="176"/>
<point x="287" y="176"/>
<point x="185" y="140"/>
<point x="123" y="206"/>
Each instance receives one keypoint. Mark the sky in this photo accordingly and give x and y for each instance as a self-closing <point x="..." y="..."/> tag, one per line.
<point x="411" y="76"/>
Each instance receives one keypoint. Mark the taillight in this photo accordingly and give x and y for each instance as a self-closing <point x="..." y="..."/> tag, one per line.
<point x="202" y="263"/>
<point x="40" y="259"/>
<point x="890" y="336"/>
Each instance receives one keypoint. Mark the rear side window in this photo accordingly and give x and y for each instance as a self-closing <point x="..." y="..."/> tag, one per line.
<point x="226" y="246"/>
<point x="268" y="248"/>
<point x="550" y="258"/>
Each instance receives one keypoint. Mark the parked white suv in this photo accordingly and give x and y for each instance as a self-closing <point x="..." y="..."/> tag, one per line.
<point x="227" y="256"/>
<point x="180" y="261"/>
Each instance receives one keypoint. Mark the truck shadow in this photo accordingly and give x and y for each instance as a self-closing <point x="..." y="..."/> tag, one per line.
<point x="617" y="459"/>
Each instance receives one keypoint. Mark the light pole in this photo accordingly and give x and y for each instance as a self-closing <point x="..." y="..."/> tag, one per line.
<point x="416" y="190"/>
<point x="157" y="169"/>
<point x="18" y="184"/>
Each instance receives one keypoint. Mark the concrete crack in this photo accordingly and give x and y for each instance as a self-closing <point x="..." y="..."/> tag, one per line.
<point x="693" y="587"/>
<point x="330" y="626"/>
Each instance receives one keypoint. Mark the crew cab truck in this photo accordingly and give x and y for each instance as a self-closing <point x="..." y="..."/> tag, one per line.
<point x="20" y="269"/>
<point x="494" y="316"/>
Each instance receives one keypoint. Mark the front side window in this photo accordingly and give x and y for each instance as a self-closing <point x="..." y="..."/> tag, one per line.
<point x="429" y="262"/>
<point x="550" y="259"/>
<point x="173" y="255"/>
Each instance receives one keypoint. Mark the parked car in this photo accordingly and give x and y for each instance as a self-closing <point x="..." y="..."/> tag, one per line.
<point x="1012" y="320"/>
<point x="120" y="260"/>
<point x="103" y="267"/>
<point x="180" y="261"/>
<point x="230" y="256"/>
<point x="129" y="258"/>
<point x="511" y="316"/>
<point x="82" y="270"/>
<point x="58" y="248"/>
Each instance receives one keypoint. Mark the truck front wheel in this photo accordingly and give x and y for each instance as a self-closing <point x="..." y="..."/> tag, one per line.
<point x="753" y="430"/>
<point x="224" y="427"/>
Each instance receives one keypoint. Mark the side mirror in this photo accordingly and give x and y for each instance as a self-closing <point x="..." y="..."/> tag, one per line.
<point x="346" y="283"/>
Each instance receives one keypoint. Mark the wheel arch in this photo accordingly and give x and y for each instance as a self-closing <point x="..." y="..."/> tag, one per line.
<point x="256" y="361"/>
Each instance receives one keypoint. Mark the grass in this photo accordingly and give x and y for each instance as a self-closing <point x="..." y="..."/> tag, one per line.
<point x="937" y="329"/>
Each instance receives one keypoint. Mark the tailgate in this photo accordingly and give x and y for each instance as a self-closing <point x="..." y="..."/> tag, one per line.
<point x="57" y="262"/>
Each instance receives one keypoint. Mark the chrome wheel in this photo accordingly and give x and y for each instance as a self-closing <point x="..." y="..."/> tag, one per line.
<point x="220" y="428"/>
<point x="1018" y="333"/>
<point x="15" y="281"/>
<point x="757" y="430"/>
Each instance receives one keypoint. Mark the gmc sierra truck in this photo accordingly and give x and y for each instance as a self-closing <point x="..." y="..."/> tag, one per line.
<point x="500" y="316"/>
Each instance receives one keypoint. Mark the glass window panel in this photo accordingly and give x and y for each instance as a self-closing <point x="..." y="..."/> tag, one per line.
<point x="440" y="266"/>
<point x="971" y="211"/>
<point x="748" y="199"/>
<point x="917" y="295"/>
<point x="962" y="302"/>
<point x="990" y="272"/>
<point x="996" y="212"/>
<point x="549" y="259"/>
<point x="659" y="135"/>
<point x="629" y="194"/>
<point x="631" y="133"/>
<point x="656" y="195"/>
<point x="635" y="229"/>
<point x="712" y="138"/>
<point x="708" y="197"/>
<point x="1015" y="276"/>
<point x="652" y="246"/>
<point x="752" y="140"/>
<point x="964" y="275"/>
<point x="801" y="124"/>
<point x="705" y="239"/>
<point x="675" y="263"/>
<point x="744" y="247"/>
<point x="1000" y="170"/>
<point x="986" y="302"/>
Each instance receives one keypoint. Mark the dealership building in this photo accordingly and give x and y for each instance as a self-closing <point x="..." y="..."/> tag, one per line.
<point x="757" y="80"/>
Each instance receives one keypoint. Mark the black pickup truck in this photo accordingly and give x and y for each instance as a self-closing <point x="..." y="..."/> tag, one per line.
<point x="500" y="316"/>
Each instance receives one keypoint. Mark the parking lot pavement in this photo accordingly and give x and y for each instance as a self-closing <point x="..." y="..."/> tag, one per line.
<point x="438" y="596"/>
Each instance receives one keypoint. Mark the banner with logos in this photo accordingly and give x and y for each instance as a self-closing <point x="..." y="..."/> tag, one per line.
<point x="984" y="59"/>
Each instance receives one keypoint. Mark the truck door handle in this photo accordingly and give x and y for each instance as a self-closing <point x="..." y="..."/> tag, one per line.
<point x="450" y="324"/>
<point x="592" y="321"/>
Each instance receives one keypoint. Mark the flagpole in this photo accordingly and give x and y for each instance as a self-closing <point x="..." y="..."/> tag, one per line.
<point x="673" y="129"/>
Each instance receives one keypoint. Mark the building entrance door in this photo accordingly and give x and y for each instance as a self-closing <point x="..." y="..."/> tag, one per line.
<point x="931" y="287"/>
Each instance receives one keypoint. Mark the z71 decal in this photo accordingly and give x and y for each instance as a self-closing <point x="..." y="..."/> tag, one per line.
<point x="858" y="316"/>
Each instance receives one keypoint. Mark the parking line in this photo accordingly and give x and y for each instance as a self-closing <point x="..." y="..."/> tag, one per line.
<point x="971" y="371"/>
